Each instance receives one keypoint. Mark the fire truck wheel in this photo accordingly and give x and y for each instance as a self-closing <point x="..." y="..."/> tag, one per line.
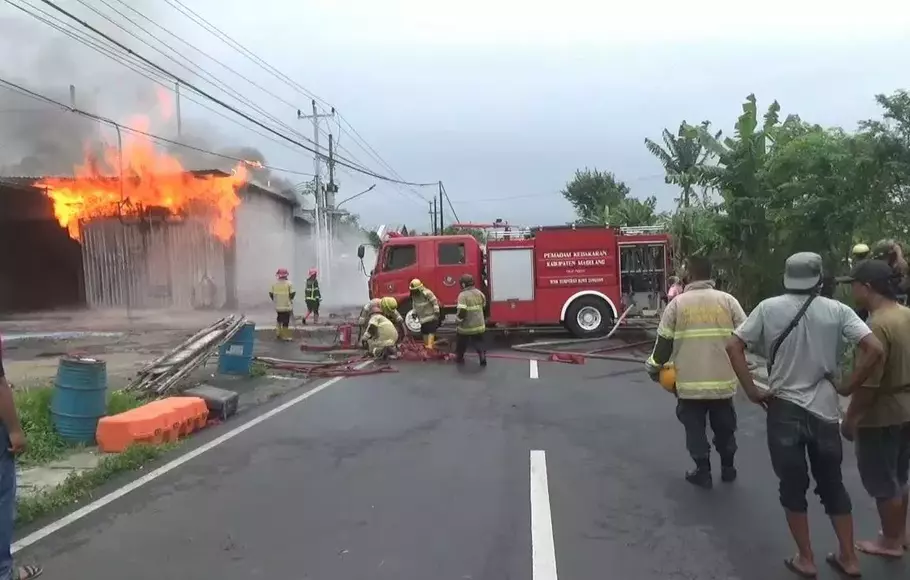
<point x="589" y="316"/>
<point x="410" y="318"/>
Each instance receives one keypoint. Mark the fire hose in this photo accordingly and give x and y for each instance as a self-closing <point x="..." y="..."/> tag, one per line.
<point x="550" y="347"/>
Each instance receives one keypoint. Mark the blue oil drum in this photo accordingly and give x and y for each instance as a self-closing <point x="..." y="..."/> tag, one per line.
<point x="235" y="357"/>
<point x="79" y="400"/>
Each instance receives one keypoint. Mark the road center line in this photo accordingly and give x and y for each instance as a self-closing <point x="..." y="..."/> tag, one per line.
<point x="99" y="503"/>
<point x="533" y="364"/>
<point x="543" y="550"/>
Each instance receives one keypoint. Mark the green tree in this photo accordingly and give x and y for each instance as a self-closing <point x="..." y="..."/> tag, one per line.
<point x="632" y="211"/>
<point x="683" y="155"/>
<point x="590" y="191"/>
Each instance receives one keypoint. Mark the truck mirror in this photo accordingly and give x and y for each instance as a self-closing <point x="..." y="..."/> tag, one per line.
<point x="360" y="251"/>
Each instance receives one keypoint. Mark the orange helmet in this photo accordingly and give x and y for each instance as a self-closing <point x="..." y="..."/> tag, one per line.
<point x="282" y="274"/>
<point x="313" y="272"/>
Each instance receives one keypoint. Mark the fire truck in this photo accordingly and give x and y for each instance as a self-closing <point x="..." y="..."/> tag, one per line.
<point x="581" y="277"/>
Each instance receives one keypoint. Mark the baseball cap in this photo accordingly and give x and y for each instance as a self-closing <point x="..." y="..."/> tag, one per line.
<point x="875" y="273"/>
<point x="803" y="271"/>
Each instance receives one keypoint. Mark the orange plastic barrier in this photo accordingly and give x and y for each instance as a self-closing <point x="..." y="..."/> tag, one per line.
<point x="156" y="422"/>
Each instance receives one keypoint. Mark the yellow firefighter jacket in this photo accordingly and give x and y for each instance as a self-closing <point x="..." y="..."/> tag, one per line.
<point x="385" y="333"/>
<point x="281" y="294"/>
<point x="425" y="305"/>
<point x="699" y="321"/>
<point x="470" y="312"/>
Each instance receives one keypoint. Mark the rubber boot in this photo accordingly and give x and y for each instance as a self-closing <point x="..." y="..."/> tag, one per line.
<point x="701" y="475"/>
<point x="315" y="319"/>
<point x="278" y="332"/>
<point x="483" y="358"/>
<point x="727" y="470"/>
<point x="431" y="341"/>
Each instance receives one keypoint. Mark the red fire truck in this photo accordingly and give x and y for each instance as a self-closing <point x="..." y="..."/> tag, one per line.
<point x="582" y="277"/>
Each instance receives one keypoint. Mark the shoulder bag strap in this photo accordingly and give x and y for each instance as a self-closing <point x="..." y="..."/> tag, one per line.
<point x="783" y="335"/>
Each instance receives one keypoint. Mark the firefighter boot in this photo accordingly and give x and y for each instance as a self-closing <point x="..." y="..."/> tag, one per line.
<point x="483" y="358"/>
<point x="431" y="341"/>
<point x="278" y="332"/>
<point x="701" y="475"/>
<point x="727" y="470"/>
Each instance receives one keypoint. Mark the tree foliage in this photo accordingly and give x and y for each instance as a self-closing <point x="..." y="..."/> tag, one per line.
<point x="776" y="185"/>
<point x="591" y="190"/>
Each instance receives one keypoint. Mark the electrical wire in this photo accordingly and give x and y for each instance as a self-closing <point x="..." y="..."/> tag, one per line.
<point x="445" y="194"/>
<point x="139" y="68"/>
<point x="228" y="40"/>
<point x="43" y="98"/>
<point x="339" y="160"/>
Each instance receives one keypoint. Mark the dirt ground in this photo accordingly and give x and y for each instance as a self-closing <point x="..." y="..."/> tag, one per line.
<point x="32" y="344"/>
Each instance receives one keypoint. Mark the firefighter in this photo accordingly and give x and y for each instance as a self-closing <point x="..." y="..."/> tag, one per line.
<point x="365" y="313"/>
<point x="692" y="335"/>
<point x="426" y="307"/>
<point x="471" y="325"/>
<point x="389" y="308"/>
<point x="859" y="253"/>
<point x="312" y="296"/>
<point x="380" y="337"/>
<point x="282" y="295"/>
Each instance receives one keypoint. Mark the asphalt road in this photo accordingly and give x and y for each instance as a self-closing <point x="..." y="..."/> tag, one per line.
<point x="427" y="474"/>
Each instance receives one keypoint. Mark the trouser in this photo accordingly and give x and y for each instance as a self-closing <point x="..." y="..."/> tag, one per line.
<point x="883" y="460"/>
<point x="694" y="414"/>
<point x="795" y="434"/>
<point x="7" y="506"/>
<point x="476" y="340"/>
<point x="283" y="319"/>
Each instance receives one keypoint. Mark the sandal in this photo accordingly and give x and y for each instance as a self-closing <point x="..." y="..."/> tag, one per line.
<point x="791" y="566"/>
<point x="835" y="563"/>
<point x="29" y="572"/>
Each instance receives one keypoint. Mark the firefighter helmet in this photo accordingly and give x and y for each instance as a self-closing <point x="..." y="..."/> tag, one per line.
<point x="668" y="378"/>
<point x="388" y="304"/>
<point x="375" y="306"/>
<point x="416" y="284"/>
<point x="467" y="280"/>
<point x="282" y="274"/>
<point x="860" y="250"/>
<point x="312" y="273"/>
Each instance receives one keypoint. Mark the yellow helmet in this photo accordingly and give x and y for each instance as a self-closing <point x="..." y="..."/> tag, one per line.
<point x="389" y="304"/>
<point x="860" y="250"/>
<point x="668" y="378"/>
<point x="416" y="284"/>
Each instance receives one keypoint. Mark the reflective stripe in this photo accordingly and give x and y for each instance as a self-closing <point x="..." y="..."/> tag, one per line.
<point x="462" y="306"/>
<point x="706" y="389"/>
<point x="702" y="333"/>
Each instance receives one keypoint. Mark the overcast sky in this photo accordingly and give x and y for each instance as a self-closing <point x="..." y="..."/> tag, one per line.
<point x="501" y="100"/>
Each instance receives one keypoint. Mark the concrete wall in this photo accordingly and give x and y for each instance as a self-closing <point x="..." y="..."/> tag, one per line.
<point x="264" y="242"/>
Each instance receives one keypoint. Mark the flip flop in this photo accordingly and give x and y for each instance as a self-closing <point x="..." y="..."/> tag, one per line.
<point x="801" y="573"/>
<point x="29" y="572"/>
<point x="832" y="561"/>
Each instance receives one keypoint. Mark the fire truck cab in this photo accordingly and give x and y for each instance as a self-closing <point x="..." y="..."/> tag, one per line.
<point x="582" y="277"/>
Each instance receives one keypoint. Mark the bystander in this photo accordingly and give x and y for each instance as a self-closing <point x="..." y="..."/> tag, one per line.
<point x="801" y="334"/>
<point x="878" y="418"/>
<point x="13" y="441"/>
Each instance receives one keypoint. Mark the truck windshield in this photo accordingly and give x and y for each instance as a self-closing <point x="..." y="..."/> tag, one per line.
<point x="398" y="257"/>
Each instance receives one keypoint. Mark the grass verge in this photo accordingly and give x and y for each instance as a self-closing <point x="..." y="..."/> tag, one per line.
<point x="34" y="408"/>
<point x="79" y="486"/>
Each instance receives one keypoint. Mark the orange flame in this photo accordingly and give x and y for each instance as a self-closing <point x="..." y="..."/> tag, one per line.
<point x="152" y="179"/>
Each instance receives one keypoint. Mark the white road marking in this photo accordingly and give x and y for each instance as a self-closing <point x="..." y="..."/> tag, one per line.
<point x="543" y="550"/>
<point x="77" y="515"/>
<point x="533" y="368"/>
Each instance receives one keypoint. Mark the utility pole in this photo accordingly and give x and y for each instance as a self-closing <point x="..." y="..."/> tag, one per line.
<point x="433" y="222"/>
<point x="177" y="111"/>
<point x="442" y="225"/>
<point x="319" y="212"/>
<point x="330" y="190"/>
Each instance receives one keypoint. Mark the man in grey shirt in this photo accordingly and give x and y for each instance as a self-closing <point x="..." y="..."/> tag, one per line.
<point x="801" y="401"/>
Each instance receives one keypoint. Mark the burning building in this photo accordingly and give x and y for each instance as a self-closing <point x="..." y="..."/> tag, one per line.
<point x="134" y="229"/>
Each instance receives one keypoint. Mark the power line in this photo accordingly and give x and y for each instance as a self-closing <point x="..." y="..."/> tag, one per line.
<point x="338" y="160"/>
<point x="139" y="68"/>
<point x="250" y="55"/>
<point x="39" y="97"/>
<point x="449" y="201"/>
